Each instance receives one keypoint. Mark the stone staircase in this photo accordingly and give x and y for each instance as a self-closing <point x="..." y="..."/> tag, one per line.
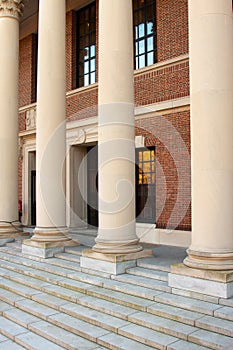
<point x="53" y="304"/>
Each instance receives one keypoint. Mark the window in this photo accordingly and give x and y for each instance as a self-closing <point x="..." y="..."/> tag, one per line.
<point x="86" y="45"/>
<point x="145" y="34"/>
<point x="145" y="185"/>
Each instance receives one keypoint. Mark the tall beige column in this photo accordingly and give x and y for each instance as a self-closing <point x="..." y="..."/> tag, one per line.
<point x="116" y="148"/>
<point x="211" y="78"/>
<point x="117" y="241"/>
<point x="50" y="234"/>
<point x="9" y="60"/>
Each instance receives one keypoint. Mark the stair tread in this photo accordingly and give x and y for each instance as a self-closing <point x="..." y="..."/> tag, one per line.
<point x="68" y="256"/>
<point x="160" y="324"/>
<point x="225" y="312"/>
<point x="217" y="325"/>
<point x="143" y="281"/>
<point x="210" y="339"/>
<point x="145" y="272"/>
<point x="61" y="336"/>
<point x="183" y="344"/>
<point x="187" y="303"/>
<point x="10" y="345"/>
<point x="174" y="313"/>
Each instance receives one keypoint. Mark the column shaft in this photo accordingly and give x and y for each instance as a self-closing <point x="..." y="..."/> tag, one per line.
<point x="211" y="83"/>
<point x="9" y="61"/>
<point x="51" y="128"/>
<point x="116" y="148"/>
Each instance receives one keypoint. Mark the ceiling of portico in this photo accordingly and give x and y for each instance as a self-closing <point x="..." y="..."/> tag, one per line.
<point x="29" y="20"/>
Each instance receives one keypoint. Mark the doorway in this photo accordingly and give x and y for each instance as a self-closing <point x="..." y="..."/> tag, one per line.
<point x="92" y="186"/>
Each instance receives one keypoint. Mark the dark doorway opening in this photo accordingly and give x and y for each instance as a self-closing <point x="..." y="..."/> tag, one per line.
<point x="92" y="186"/>
<point x="33" y="197"/>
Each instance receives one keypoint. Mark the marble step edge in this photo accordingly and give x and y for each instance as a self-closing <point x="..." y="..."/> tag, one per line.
<point x="164" y="330"/>
<point x="221" y="303"/>
<point x="124" y="332"/>
<point x="29" y="326"/>
<point x="144" y="272"/>
<point x="34" y="272"/>
<point x="183" y="306"/>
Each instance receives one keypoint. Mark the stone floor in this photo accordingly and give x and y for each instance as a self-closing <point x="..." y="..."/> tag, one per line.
<point x="54" y="304"/>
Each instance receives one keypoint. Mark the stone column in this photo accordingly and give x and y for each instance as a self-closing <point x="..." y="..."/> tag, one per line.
<point x="10" y="12"/>
<point x="116" y="139"/>
<point x="211" y="84"/>
<point x="50" y="235"/>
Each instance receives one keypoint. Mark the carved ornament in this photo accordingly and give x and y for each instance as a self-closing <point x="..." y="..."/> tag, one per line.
<point x="11" y="8"/>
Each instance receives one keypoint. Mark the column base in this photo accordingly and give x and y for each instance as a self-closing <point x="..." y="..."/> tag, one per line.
<point x="208" y="282"/>
<point x="220" y="261"/>
<point x="117" y="247"/>
<point x="10" y="231"/>
<point x="114" y="264"/>
<point x="48" y="241"/>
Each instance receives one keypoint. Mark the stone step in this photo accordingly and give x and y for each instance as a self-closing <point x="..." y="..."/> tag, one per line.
<point x="21" y="337"/>
<point x="68" y="256"/>
<point x="97" y="318"/>
<point x="144" y="272"/>
<point x="73" y="319"/>
<point x="177" y="301"/>
<point x="77" y="250"/>
<point x="153" y="264"/>
<point x="175" y="313"/>
<point x="143" y="282"/>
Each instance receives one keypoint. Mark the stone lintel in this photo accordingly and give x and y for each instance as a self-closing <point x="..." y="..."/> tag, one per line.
<point x="114" y="264"/>
<point x="212" y="275"/>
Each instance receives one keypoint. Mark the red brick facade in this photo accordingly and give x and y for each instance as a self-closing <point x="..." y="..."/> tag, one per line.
<point x="154" y="84"/>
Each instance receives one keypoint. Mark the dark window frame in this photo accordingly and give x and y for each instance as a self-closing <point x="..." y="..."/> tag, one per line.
<point x="145" y="43"/>
<point x="145" y="185"/>
<point x="86" y="53"/>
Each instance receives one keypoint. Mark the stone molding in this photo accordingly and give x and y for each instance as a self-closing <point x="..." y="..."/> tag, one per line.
<point x="31" y="118"/>
<point x="11" y="8"/>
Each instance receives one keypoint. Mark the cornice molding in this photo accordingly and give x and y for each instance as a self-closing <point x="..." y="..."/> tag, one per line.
<point x="11" y="8"/>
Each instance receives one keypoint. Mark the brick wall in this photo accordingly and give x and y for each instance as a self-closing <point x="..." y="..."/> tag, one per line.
<point x="162" y="84"/>
<point x="170" y="134"/>
<point x="172" y="28"/>
<point x="27" y="70"/>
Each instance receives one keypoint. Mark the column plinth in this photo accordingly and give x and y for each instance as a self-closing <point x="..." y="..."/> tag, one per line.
<point x="50" y="235"/>
<point x="211" y="103"/>
<point x="10" y="227"/>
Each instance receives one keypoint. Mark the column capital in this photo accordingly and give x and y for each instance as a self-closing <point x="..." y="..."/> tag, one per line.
<point x="11" y="8"/>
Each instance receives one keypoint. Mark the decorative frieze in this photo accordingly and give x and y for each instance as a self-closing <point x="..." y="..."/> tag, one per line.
<point x="11" y="8"/>
<point x="31" y="119"/>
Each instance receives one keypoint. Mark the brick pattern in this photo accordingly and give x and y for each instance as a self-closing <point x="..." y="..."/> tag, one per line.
<point x="172" y="28"/>
<point x="83" y="104"/>
<point x="162" y="84"/>
<point x="25" y="70"/>
<point x="70" y="51"/>
<point x="173" y="167"/>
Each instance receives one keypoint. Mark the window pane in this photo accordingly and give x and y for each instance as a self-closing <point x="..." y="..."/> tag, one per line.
<point x="92" y="65"/>
<point x="86" y="45"/>
<point x="142" y="61"/>
<point x="86" y="67"/>
<point x="150" y="44"/>
<point x="149" y="28"/>
<point x="144" y="32"/>
<point x="150" y="58"/>
<point x="86" y="80"/>
<point x="141" y="30"/>
<point x="92" y="78"/>
<point x="92" y="51"/>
